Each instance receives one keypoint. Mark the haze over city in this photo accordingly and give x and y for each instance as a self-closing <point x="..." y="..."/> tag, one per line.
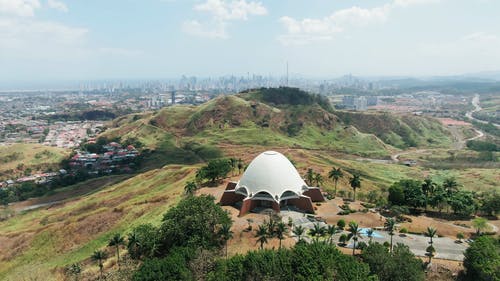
<point x="77" y="40"/>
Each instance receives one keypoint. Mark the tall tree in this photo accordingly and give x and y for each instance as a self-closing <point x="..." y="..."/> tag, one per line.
<point x="369" y="233"/>
<point x="280" y="231"/>
<point x="335" y="174"/>
<point x="233" y="163"/>
<point x="430" y="232"/>
<point x="190" y="188"/>
<point x="310" y="177"/>
<point x="331" y="230"/>
<point x="479" y="224"/>
<point x="225" y="234"/>
<point x="99" y="256"/>
<point x="318" y="178"/>
<point x="439" y="198"/>
<point x="482" y="259"/>
<point x="355" y="183"/>
<point x="240" y="165"/>
<point x="429" y="251"/>
<point x="261" y="235"/>
<point x="116" y="241"/>
<point x="317" y="231"/>
<point x="354" y="234"/>
<point x="390" y="226"/>
<point x="298" y="231"/>
<point x="428" y="188"/>
<point x="450" y="186"/>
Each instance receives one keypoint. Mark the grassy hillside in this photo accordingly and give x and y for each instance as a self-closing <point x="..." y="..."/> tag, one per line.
<point x="16" y="158"/>
<point x="399" y="131"/>
<point x="42" y="242"/>
<point x="243" y="119"/>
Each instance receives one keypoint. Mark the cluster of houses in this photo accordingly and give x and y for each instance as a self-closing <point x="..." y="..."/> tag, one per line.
<point x="115" y="158"/>
<point x="40" y="178"/>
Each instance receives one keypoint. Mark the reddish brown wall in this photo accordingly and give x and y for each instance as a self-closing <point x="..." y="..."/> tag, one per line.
<point x="315" y="195"/>
<point x="304" y="203"/>
<point x="276" y="207"/>
<point x="229" y="197"/>
<point x="231" y="185"/>
<point x="247" y="206"/>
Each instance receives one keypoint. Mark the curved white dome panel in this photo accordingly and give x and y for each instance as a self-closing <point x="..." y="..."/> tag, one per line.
<point x="271" y="172"/>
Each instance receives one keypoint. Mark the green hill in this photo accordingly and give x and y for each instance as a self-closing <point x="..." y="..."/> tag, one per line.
<point x="399" y="131"/>
<point x="251" y="118"/>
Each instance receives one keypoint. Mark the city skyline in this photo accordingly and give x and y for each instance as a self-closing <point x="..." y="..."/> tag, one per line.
<point x="71" y="40"/>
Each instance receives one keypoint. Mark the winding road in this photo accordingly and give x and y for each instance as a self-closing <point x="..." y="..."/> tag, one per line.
<point x="475" y="103"/>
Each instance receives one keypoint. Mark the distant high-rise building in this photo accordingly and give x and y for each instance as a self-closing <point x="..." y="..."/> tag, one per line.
<point x="354" y="103"/>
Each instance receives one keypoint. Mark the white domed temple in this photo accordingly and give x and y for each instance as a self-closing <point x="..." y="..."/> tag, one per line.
<point x="271" y="180"/>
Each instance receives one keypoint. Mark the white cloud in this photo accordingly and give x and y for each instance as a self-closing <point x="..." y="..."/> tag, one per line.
<point x="22" y="8"/>
<point x="405" y="3"/>
<point x="23" y="37"/>
<point x="58" y="5"/>
<point x="235" y="10"/>
<point x="222" y="12"/>
<point x="194" y="27"/>
<point x="309" y="30"/>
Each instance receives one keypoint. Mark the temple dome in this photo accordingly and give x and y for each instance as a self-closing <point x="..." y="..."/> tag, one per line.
<point x="271" y="176"/>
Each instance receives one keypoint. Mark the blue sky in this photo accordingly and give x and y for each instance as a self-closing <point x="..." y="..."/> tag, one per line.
<point x="142" y="39"/>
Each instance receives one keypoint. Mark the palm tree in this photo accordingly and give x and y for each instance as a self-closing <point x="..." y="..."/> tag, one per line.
<point x="298" y="231"/>
<point x="342" y="239"/>
<point x="261" y="235"/>
<point x="133" y="244"/>
<point x="232" y="162"/>
<point x="390" y="226"/>
<point x="99" y="256"/>
<point x="431" y="232"/>
<point x="226" y="234"/>
<point x="331" y="230"/>
<point x="450" y="185"/>
<point x="355" y="182"/>
<point x="319" y="179"/>
<point x="116" y="241"/>
<point x="335" y="174"/>
<point x="280" y="231"/>
<point x="190" y="188"/>
<point x="240" y="165"/>
<point x="354" y="234"/>
<point x="430" y="252"/>
<point x="310" y="176"/>
<point x="369" y="233"/>
<point x="75" y="270"/>
<point x="271" y="228"/>
<point x="428" y="188"/>
<point x="317" y="231"/>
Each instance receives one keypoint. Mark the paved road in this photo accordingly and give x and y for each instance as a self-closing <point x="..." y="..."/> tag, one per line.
<point x="475" y="103"/>
<point x="446" y="248"/>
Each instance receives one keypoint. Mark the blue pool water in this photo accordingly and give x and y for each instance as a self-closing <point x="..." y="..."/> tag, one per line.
<point x="375" y="234"/>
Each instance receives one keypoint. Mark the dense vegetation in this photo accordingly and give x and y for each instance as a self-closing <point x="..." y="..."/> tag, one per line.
<point x="479" y="145"/>
<point x="482" y="260"/>
<point x="316" y="261"/>
<point x="417" y="194"/>
<point x="283" y="96"/>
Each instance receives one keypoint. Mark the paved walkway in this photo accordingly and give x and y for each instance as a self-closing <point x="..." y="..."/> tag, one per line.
<point x="446" y="248"/>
